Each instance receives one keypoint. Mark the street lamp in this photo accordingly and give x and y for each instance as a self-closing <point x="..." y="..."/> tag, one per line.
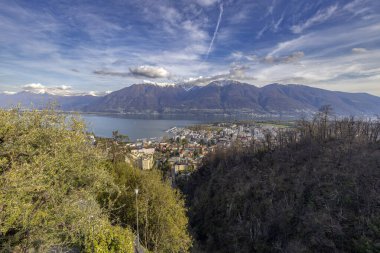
<point x="137" y="221"/>
<point x="92" y="231"/>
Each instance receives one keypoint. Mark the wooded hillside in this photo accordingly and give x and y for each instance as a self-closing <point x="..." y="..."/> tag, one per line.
<point x="313" y="189"/>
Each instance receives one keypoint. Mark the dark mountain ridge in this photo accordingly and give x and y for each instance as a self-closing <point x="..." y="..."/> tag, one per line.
<point x="218" y="97"/>
<point x="231" y="97"/>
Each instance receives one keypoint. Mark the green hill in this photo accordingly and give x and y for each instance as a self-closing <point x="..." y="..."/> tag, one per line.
<point x="59" y="192"/>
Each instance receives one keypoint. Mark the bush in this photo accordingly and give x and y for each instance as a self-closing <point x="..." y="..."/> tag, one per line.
<point x="50" y="179"/>
<point x="162" y="215"/>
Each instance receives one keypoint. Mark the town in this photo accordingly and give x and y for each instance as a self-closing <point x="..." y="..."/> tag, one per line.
<point x="181" y="152"/>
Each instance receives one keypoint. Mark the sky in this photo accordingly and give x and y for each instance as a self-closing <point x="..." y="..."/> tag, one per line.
<point x="96" y="46"/>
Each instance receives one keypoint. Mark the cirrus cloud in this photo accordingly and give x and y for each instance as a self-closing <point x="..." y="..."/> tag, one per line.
<point x="319" y="17"/>
<point x="294" y="57"/>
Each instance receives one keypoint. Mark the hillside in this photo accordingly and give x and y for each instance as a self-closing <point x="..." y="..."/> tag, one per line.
<point x="317" y="194"/>
<point x="138" y="98"/>
<point x="61" y="192"/>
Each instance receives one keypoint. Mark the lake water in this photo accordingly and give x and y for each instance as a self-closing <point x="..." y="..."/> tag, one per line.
<point x="135" y="128"/>
<point x="143" y="126"/>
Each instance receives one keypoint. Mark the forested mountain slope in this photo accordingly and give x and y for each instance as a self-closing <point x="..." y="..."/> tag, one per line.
<point x="316" y="190"/>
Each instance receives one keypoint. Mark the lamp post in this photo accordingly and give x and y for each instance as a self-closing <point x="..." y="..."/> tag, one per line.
<point x="137" y="221"/>
<point x="92" y="231"/>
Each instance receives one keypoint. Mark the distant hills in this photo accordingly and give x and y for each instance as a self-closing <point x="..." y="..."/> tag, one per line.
<point x="218" y="97"/>
<point x="38" y="101"/>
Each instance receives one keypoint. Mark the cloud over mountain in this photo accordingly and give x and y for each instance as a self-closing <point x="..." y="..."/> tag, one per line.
<point x="62" y="90"/>
<point x="143" y="71"/>
<point x="150" y="72"/>
<point x="38" y="88"/>
<point x="237" y="72"/>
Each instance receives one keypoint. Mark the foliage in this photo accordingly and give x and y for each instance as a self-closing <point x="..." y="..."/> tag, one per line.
<point x="162" y="216"/>
<point x="50" y="178"/>
<point x="314" y="189"/>
<point x="115" y="147"/>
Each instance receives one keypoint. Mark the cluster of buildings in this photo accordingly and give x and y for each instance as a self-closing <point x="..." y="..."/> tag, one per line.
<point x="183" y="152"/>
<point x="142" y="158"/>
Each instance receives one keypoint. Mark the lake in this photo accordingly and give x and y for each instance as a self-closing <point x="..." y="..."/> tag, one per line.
<point x="149" y="126"/>
<point x="135" y="128"/>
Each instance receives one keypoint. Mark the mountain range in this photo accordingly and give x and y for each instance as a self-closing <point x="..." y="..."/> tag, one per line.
<point x="218" y="97"/>
<point x="26" y="99"/>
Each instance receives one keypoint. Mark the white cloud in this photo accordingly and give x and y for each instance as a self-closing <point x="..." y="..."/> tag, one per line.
<point x="8" y="92"/>
<point x="34" y="88"/>
<point x="237" y="55"/>
<point x="62" y="90"/>
<point x="170" y="15"/>
<point x="294" y="57"/>
<point x="319" y="17"/>
<point x="236" y="72"/>
<point x="193" y="31"/>
<point x="139" y="71"/>
<point x="96" y="93"/>
<point x="207" y="2"/>
<point x="159" y="83"/>
<point x="64" y="87"/>
<point x="358" y="8"/>
<point x="359" y="50"/>
<point x="270" y="58"/>
<point x="37" y="88"/>
<point x="330" y="40"/>
<point x="105" y="72"/>
<point x="150" y="71"/>
<point x="352" y="72"/>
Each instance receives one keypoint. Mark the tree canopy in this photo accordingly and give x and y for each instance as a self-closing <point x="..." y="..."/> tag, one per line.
<point x="162" y="216"/>
<point x="60" y="192"/>
<point x="50" y="179"/>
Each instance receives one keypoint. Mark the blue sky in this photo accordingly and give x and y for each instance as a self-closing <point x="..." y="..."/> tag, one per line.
<point x="75" y="47"/>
